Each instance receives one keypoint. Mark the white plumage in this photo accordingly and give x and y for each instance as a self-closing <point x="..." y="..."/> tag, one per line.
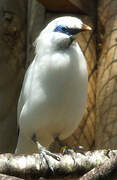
<point x="54" y="91"/>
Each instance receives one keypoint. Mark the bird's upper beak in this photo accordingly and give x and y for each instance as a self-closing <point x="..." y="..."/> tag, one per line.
<point x="86" y="28"/>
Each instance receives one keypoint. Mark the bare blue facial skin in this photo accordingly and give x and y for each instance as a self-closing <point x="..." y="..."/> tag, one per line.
<point x="66" y="30"/>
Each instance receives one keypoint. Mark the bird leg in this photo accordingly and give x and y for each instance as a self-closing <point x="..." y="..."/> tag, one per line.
<point x="44" y="153"/>
<point x="65" y="148"/>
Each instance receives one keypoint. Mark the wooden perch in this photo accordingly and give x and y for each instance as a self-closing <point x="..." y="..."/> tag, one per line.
<point x="103" y="171"/>
<point x="75" y="164"/>
<point x="6" y="177"/>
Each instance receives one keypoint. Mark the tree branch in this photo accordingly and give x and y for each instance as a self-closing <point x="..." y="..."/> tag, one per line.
<point x="102" y="171"/>
<point x="75" y="164"/>
<point x="6" y="177"/>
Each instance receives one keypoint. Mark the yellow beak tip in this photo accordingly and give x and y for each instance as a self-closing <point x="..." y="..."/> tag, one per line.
<point x="86" y="27"/>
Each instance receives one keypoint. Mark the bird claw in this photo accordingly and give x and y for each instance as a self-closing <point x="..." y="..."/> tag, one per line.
<point x="55" y="156"/>
<point x="68" y="151"/>
<point x="72" y="152"/>
<point x="45" y="153"/>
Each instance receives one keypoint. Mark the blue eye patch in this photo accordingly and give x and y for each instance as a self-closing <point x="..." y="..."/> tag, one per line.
<point x="66" y="30"/>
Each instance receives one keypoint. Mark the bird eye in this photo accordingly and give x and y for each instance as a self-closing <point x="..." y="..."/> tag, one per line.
<point x="64" y="29"/>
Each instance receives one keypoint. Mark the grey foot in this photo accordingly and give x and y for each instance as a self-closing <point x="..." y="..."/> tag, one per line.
<point x="72" y="152"/>
<point x="79" y="149"/>
<point x="44" y="153"/>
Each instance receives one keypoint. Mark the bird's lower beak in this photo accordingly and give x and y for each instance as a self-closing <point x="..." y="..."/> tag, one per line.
<point x="86" y="28"/>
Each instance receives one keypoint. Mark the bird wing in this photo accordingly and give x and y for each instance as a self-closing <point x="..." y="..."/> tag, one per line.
<point x="25" y="88"/>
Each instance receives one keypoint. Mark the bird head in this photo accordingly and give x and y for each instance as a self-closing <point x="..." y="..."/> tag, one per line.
<point x="70" y="26"/>
<point x="63" y="31"/>
<point x="67" y="25"/>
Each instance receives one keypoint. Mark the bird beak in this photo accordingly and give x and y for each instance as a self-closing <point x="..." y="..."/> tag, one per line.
<point x="83" y="28"/>
<point x="86" y="28"/>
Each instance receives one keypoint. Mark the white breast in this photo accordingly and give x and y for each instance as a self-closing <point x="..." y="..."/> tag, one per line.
<point x="55" y="94"/>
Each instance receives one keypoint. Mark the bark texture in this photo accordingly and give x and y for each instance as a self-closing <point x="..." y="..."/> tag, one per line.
<point x="106" y="97"/>
<point x="12" y="62"/>
<point x="99" y="165"/>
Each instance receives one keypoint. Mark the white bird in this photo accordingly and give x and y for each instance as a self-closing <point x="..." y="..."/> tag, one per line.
<point x="54" y="90"/>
